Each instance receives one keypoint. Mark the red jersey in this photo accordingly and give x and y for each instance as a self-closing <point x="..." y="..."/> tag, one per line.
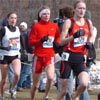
<point x="78" y="44"/>
<point x="38" y="31"/>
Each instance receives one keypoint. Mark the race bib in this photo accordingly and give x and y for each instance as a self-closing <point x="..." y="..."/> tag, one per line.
<point x="65" y="56"/>
<point x="49" y="42"/>
<point x="80" y="41"/>
<point x="14" y="43"/>
<point x="1" y="57"/>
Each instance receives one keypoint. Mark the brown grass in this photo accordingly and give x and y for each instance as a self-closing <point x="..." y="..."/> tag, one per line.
<point x="25" y="94"/>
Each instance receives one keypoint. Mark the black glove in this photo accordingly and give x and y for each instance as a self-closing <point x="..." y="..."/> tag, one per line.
<point x="58" y="48"/>
<point x="6" y="48"/>
<point x="89" y="45"/>
<point x="45" y="38"/>
<point x="91" y="57"/>
<point x="24" y="56"/>
<point x="79" y="33"/>
<point x="56" y="45"/>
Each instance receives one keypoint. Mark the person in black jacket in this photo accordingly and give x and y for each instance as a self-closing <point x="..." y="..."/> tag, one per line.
<point x="26" y="69"/>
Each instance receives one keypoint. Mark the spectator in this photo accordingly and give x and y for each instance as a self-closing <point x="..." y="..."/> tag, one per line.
<point x="26" y="68"/>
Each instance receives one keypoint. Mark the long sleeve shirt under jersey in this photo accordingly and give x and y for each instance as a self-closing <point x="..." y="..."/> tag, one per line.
<point x="12" y="29"/>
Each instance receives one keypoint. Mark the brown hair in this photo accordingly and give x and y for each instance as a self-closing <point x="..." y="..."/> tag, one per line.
<point x="76" y="2"/>
<point x="43" y="7"/>
<point x="8" y="15"/>
<point x="68" y="11"/>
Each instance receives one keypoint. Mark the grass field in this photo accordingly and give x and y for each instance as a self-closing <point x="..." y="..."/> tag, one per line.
<point x="25" y="94"/>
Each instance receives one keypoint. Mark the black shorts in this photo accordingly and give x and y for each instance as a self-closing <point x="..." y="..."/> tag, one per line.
<point x="8" y="59"/>
<point x="67" y="66"/>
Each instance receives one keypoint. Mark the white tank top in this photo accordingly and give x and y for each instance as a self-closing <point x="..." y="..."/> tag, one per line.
<point x="11" y="39"/>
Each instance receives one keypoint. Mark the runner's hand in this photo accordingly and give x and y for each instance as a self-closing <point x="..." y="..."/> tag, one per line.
<point x="45" y="38"/>
<point x="89" y="45"/>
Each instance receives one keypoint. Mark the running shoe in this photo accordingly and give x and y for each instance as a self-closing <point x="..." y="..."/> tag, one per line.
<point x="8" y="92"/>
<point x="13" y="96"/>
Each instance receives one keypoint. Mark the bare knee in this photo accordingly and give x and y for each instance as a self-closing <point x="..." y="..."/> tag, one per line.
<point x="84" y="85"/>
<point x="3" y="82"/>
<point x="84" y="79"/>
<point x="50" y="78"/>
<point x="35" y="86"/>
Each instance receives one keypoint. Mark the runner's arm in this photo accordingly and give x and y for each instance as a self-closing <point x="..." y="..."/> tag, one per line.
<point x="66" y="26"/>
